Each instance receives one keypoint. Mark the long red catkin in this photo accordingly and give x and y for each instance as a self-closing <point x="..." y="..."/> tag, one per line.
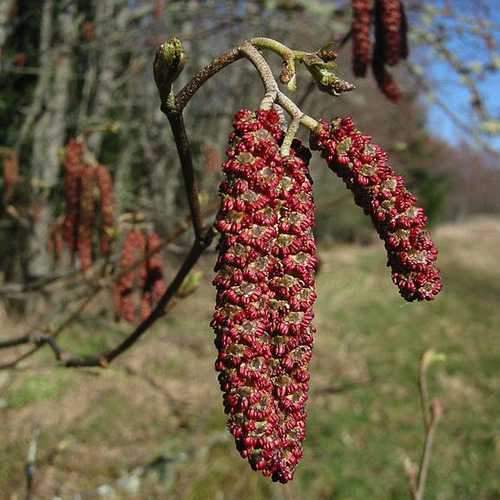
<point x="151" y="275"/>
<point x="123" y="291"/>
<point x="106" y="203"/>
<point x="87" y="216"/>
<point x="388" y="21"/>
<point x="73" y="165"/>
<point x="265" y="292"/>
<point x="10" y="175"/>
<point x="382" y="194"/>
<point x="361" y="41"/>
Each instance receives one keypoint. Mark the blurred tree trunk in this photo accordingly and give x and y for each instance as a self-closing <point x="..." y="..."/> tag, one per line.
<point x="49" y="127"/>
<point x="6" y="7"/>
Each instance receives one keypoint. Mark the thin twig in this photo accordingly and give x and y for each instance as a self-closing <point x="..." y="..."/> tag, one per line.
<point x="176" y="121"/>
<point x="431" y="413"/>
<point x="436" y="413"/>
<point x="220" y="62"/>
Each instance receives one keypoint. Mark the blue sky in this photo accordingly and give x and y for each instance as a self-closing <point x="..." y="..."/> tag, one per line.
<point x="471" y="50"/>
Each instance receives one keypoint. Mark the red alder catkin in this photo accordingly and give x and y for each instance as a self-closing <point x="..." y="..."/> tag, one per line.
<point x="141" y="281"/>
<point x="106" y="203"/>
<point x="361" y="41"/>
<point x="265" y="292"/>
<point x="73" y="164"/>
<point x="87" y="216"/>
<point x="152" y="280"/>
<point x="382" y="194"/>
<point x="388" y="22"/>
<point x="130" y="259"/>
<point x="385" y="81"/>
<point x="10" y="175"/>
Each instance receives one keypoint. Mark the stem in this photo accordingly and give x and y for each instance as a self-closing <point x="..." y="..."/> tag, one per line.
<point x="427" y="452"/>
<point x="220" y="62"/>
<point x="294" y="110"/>
<point x="176" y="121"/>
<point x="424" y="394"/>
<point x="271" y="86"/>
<point x="290" y="135"/>
<point x="278" y="48"/>
<point x="265" y="72"/>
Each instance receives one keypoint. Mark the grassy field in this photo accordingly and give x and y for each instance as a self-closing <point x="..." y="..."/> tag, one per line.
<point x="152" y="426"/>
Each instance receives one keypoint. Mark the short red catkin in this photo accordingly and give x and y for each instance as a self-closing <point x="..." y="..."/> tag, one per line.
<point x="265" y="293"/>
<point x="382" y="194"/>
<point x="361" y="41"/>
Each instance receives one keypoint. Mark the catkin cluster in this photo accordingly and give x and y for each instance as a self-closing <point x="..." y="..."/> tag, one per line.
<point x="265" y="293"/>
<point x="391" y="43"/>
<point x="140" y="282"/>
<point x="382" y="194"/>
<point x="88" y="194"/>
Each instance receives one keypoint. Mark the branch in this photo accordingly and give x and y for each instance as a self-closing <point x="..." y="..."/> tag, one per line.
<point x="176" y="121"/>
<point x="220" y="62"/>
<point x="34" y="337"/>
<point x="431" y="413"/>
<point x="103" y="359"/>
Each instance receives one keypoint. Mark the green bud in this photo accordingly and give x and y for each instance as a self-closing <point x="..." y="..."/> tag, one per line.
<point x="169" y="62"/>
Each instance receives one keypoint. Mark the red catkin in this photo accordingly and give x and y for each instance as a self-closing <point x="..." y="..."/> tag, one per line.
<point x="152" y="281"/>
<point x="141" y="280"/>
<point x="10" y="175"/>
<point x="382" y="194"/>
<point x="106" y="203"/>
<point x="385" y="81"/>
<point x="361" y="41"/>
<point x="56" y="243"/>
<point x="73" y="165"/>
<point x="87" y="216"/>
<point x="88" y="195"/>
<point x="388" y="21"/>
<point x="123" y="290"/>
<point x="265" y="292"/>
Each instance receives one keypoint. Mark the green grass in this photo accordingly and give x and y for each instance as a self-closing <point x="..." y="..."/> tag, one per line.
<point x="368" y="345"/>
<point x="34" y="388"/>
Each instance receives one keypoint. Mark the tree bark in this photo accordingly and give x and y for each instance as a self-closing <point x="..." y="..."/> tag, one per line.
<point x="49" y="132"/>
